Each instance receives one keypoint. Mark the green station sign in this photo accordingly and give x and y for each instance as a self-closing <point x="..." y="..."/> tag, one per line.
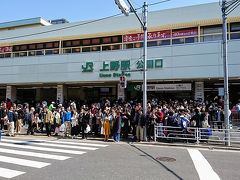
<point x="111" y="68"/>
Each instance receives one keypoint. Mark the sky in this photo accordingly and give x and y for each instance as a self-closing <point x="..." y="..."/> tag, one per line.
<point x="77" y="10"/>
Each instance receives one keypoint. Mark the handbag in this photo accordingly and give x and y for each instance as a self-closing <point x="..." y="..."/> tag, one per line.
<point x="102" y="130"/>
<point x="209" y="131"/>
<point x="87" y="130"/>
<point x="62" y="128"/>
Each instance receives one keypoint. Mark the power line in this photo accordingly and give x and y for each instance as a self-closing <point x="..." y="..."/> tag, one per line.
<point x="76" y="25"/>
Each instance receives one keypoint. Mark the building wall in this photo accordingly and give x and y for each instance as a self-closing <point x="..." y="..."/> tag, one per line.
<point x="188" y="61"/>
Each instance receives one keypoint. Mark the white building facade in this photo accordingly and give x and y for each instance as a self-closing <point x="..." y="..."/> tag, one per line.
<point x="84" y="60"/>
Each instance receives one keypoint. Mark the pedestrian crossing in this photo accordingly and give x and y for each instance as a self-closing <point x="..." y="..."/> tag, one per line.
<point x="18" y="152"/>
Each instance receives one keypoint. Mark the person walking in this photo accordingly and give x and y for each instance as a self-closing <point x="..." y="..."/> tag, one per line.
<point x="140" y="125"/>
<point x="31" y="121"/>
<point x="107" y="120"/>
<point x="20" y="119"/>
<point x="47" y="121"/>
<point x="117" y="126"/>
<point x="67" y="122"/>
<point x="10" y="122"/>
<point x="85" y="122"/>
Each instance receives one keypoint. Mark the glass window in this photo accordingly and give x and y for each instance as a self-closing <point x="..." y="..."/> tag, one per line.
<point x="152" y="43"/>
<point x="115" y="47"/>
<point x="23" y="47"/>
<point x="190" y="39"/>
<point x="49" y="45"/>
<point x="211" y="38"/>
<point x="211" y="29"/>
<point x="16" y="48"/>
<point x="235" y="27"/>
<point x="86" y="49"/>
<point x="67" y="43"/>
<point x="178" y="41"/>
<point x="56" y="44"/>
<point x="31" y="53"/>
<point x="95" y="41"/>
<point x="56" y="51"/>
<point x="39" y="46"/>
<point x="128" y="46"/>
<point x="96" y="48"/>
<point x="47" y="52"/>
<point x="116" y="39"/>
<point x="106" y="40"/>
<point x="163" y="42"/>
<point x="106" y="48"/>
<point x="138" y="45"/>
<point x="67" y="51"/>
<point x="1" y="55"/>
<point x="39" y="53"/>
<point x="23" y="54"/>
<point x="86" y="42"/>
<point x="76" y="43"/>
<point x="7" y="55"/>
<point x="235" y="36"/>
<point x="16" y="55"/>
<point x="76" y="50"/>
<point x="32" y="46"/>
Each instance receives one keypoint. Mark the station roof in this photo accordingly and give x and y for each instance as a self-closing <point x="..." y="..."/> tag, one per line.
<point x="24" y="22"/>
<point x="189" y="16"/>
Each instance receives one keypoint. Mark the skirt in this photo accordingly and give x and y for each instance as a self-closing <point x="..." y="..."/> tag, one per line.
<point x="106" y="127"/>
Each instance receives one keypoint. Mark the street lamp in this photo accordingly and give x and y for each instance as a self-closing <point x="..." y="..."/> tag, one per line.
<point x="125" y="10"/>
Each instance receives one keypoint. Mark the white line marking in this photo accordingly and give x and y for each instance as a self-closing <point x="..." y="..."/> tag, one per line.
<point x="48" y="144"/>
<point x="23" y="162"/>
<point x="8" y="173"/>
<point x="34" y="154"/>
<point x="78" y="143"/>
<point x="202" y="166"/>
<point x="42" y="148"/>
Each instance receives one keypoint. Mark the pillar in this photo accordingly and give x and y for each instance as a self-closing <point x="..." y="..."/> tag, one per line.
<point x="61" y="93"/>
<point x="11" y="93"/>
<point x="199" y="90"/>
<point x="121" y="93"/>
<point x="38" y="94"/>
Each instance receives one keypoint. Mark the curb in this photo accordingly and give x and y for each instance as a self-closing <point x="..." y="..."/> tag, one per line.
<point x="210" y="147"/>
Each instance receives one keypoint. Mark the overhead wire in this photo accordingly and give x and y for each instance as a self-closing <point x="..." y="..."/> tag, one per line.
<point x="62" y="28"/>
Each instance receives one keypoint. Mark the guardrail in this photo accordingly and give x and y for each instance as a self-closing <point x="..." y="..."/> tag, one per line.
<point x="196" y="135"/>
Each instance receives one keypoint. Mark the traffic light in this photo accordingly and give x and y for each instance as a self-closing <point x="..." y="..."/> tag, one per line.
<point x="123" y="82"/>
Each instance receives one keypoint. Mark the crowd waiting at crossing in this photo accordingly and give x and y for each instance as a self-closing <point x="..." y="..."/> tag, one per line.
<point x="110" y="119"/>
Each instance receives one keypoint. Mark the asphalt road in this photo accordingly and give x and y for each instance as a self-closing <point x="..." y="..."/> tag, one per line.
<point x="40" y="158"/>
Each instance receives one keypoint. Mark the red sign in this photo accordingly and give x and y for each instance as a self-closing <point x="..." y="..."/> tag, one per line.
<point x="150" y="36"/>
<point x="181" y="33"/>
<point x="5" y="49"/>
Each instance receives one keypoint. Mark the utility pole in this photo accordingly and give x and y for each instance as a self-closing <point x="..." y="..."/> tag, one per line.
<point x="125" y="10"/>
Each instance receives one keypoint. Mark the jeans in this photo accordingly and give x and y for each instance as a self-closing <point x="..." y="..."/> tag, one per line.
<point x="117" y="137"/>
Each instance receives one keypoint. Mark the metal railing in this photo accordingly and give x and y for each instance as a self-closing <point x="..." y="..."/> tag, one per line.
<point x="197" y="135"/>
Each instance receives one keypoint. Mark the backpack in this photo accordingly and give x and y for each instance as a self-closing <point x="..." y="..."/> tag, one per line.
<point x="184" y="122"/>
<point x="171" y="120"/>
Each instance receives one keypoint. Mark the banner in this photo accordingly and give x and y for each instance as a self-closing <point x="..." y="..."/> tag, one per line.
<point x="188" y="32"/>
<point x="5" y="49"/>
<point x="150" y="36"/>
<point x="169" y="87"/>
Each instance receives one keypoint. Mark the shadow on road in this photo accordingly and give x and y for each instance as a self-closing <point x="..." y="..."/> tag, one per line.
<point x="148" y="155"/>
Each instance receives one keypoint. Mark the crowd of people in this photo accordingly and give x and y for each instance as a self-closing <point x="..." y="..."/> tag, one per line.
<point x="117" y="119"/>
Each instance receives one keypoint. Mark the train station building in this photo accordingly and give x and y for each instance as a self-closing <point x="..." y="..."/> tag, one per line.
<point x="40" y="60"/>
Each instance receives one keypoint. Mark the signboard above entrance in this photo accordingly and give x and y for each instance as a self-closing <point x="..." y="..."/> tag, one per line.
<point x="161" y="87"/>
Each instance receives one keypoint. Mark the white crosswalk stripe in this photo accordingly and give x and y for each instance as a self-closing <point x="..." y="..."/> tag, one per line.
<point x="33" y="154"/>
<point x="8" y="173"/>
<point x="12" y="147"/>
<point x="23" y="162"/>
